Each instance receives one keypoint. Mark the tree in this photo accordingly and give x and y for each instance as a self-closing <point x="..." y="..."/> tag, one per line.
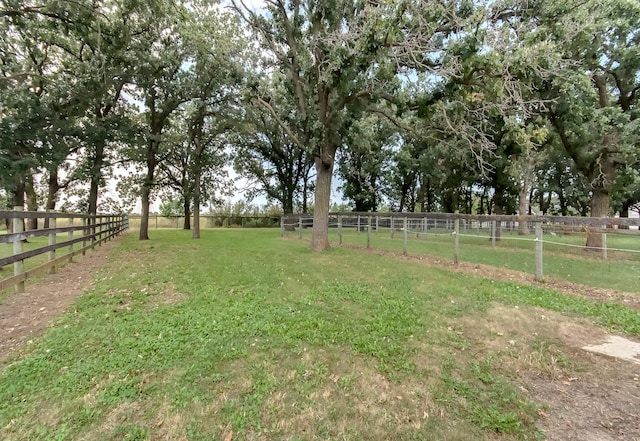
<point x="81" y="54"/>
<point x="593" y="105"/>
<point x="268" y="155"/>
<point x="626" y="194"/>
<point x="190" y="46"/>
<point x="171" y="206"/>
<point x="340" y="58"/>
<point x="362" y="166"/>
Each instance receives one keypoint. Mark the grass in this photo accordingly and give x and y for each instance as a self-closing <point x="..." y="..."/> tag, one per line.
<point x="243" y="332"/>
<point x="620" y="272"/>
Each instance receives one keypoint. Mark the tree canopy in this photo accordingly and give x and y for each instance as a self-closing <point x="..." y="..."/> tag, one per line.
<point x="499" y="106"/>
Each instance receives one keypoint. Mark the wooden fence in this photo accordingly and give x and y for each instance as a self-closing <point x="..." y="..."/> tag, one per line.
<point x="406" y="225"/>
<point x="94" y="230"/>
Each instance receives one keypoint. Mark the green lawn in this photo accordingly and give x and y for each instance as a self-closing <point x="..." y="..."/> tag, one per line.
<point x="243" y="332"/>
<point x="621" y="271"/>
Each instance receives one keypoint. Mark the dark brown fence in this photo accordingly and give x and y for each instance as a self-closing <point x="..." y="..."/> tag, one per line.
<point x="73" y="233"/>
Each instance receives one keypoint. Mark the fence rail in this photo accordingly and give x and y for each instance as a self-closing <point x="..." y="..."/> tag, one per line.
<point x="610" y="237"/>
<point x="94" y="230"/>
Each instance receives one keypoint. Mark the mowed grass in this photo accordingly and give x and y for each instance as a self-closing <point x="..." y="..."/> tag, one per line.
<point x="244" y="336"/>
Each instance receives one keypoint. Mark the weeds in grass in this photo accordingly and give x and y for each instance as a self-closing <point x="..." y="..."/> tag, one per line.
<point x="272" y="341"/>
<point x="476" y="391"/>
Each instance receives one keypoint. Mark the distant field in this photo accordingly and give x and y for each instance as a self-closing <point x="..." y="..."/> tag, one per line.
<point x="244" y="336"/>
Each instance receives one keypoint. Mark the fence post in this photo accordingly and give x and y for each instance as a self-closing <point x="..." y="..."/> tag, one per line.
<point x="604" y="242"/>
<point x="358" y="225"/>
<point x="84" y="235"/>
<point x="70" y="237"/>
<point x="368" y="231"/>
<point x="493" y="234"/>
<point x="300" y="227"/>
<point x="282" y="226"/>
<point x="391" y="223"/>
<point x="100" y="230"/>
<point x="456" y="239"/>
<point x="18" y="267"/>
<point x="406" y="231"/>
<point x="52" y="241"/>
<point x="92" y="220"/>
<point x="340" y="229"/>
<point x="95" y="231"/>
<point x="377" y="223"/>
<point x="539" y="240"/>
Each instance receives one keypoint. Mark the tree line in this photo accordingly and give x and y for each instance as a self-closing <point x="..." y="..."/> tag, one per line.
<point x="497" y="106"/>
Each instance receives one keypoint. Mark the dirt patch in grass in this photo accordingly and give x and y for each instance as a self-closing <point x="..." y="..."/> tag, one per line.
<point x="329" y="394"/>
<point x="583" y="396"/>
<point x="25" y="316"/>
<point x="630" y="300"/>
<point x="169" y="297"/>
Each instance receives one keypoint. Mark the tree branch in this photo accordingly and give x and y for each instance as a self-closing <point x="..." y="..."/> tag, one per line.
<point x="285" y="127"/>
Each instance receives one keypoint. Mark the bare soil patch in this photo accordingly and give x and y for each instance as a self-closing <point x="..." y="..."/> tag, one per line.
<point x="583" y="396"/>
<point x="600" y="401"/>
<point x="25" y="316"/>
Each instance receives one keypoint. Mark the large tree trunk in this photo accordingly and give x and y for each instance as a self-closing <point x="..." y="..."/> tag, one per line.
<point x="287" y="204"/>
<point x="187" y="213"/>
<point x="96" y="177"/>
<point x="18" y="191"/>
<point x="287" y="209"/>
<point x="52" y="193"/>
<point x="18" y="198"/>
<point x="146" y="189"/>
<point x="523" y="209"/>
<point x="600" y="202"/>
<point x="32" y="200"/>
<point x="144" y="218"/>
<point x="498" y="210"/>
<point x="196" y="206"/>
<point x="624" y="212"/>
<point x="322" y="202"/>
<point x="305" y="193"/>
<point x="197" y="183"/>
<point x="403" y="199"/>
